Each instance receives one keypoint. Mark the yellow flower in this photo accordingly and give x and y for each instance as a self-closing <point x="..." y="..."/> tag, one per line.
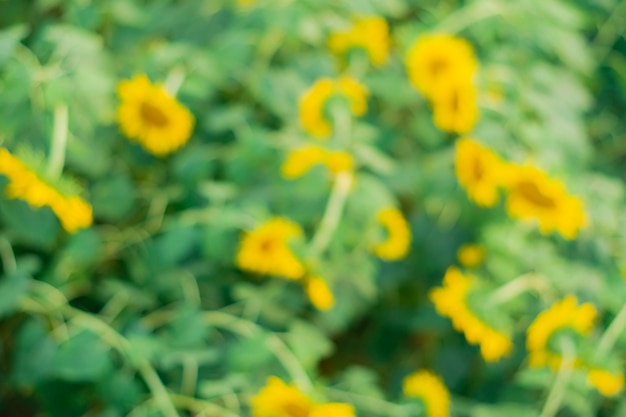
<point x="333" y="410"/>
<point x="471" y="255"/>
<point x="301" y="160"/>
<point x="451" y="301"/>
<point x="277" y="399"/>
<point x="150" y="116"/>
<point x="369" y="33"/>
<point x="313" y="100"/>
<point x="398" y="241"/>
<point x="455" y="107"/>
<point x="265" y="250"/>
<point x="479" y="170"/>
<point x="319" y="293"/>
<point x="607" y="383"/>
<point x="72" y="211"/>
<point x="431" y="390"/>
<point x="533" y="195"/>
<point x="564" y="314"/>
<point x="435" y="60"/>
<point x="244" y="4"/>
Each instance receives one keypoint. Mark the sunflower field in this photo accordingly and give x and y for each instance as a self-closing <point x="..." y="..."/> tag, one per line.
<point x="312" y="208"/>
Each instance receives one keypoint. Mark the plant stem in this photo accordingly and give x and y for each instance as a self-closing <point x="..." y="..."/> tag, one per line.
<point x="555" y="397"/>
<point x="516" y="287"/>
<point x="468" y="15"/>
<point x="332" y="214"/>
<point x="277" y="346"/>
<point x="59" y="141"/>
<point x="373" y="405"/>
<point x="7" y="255"/>
<point x="611" y="334"/>
<point x="174" y="80"/>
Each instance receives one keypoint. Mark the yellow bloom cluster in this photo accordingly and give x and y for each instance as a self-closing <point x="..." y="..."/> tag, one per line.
<point x="265" y="250"/>
<point x="150" y="116"/>
<point x="431" y="390"/>
<point x="480" y="171"/>
<point x="314" y="99"/>
<point x="368" y="33"/>
<point x="302" y="159"/>
<point x="24" y="184"/>
<point x="451" y="301"/>
<point x="533" y="195"/>
<point x="277" y="399"/>
<point x="398" y="240"/>
<point x="319" y="293"/>
<point x="471" y="255"/>
<point x="607" y="383"/>
<point x="442" y="67"/>
<point x="564" y="314"/>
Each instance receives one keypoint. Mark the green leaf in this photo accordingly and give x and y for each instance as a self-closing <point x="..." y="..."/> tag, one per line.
<point x="34" y="354"/>
<point x="9" y="39"/>
<point x="81" y="358"/>
<point x="12" y="288"/>
<point x="308" y="343"/>
<point x="249" y="353"/>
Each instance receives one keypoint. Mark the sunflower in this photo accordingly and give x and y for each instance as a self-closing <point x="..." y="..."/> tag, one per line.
<point x="471" y="255"/>
<point x="150" y="116"/>
<point x="369" y="33"/>
<point x="479" y="170"/>
<point x="313" y="100"/>
<point x="319" y="293"/>
<point x="607" y="383"/>
<point x="533" y="195"/>
<point x="73" y="212"/>
<point x="431" y="390"/>
<point x="398" y="240"/>
<point x="451" y="301"/>
<point x="277" y="399"/>
<point x="434" y="60"/>
<point x="564" y="314"/>
<point x="265" y="250"/>
<point x="455" y="107"/>
<point x="299" y="161"/>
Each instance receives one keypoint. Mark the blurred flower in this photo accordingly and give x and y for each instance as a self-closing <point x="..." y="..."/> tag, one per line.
<point x="302" y="159"/>
<point x="319" y="293"/>
<point x="564" y="314"/>
<point x="471" y="255"/>
<point x="479" y="170"/>
<point x="369" y="33"/>
<point x="431" y="390"/>
<point x="455" y="109"/>
<point x="277" y="399"/>
<point x="607" y="383"/>
<point x="451" y="301"/>
<point x="150" y="116"/>
<point x="398" y="241"/>
<point x="265" y="250"/>
<point x="333" y="410"/>
<point x="24" y="184"/>
<point x="314" y="99"/>
<point x="533" y="195"/>
<point x="434" y="61"/>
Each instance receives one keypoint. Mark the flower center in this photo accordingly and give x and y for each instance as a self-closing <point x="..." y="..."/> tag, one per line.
<point x="152" y="115"/>
<point x="477" y="169"/>
<point x="296" y="410"/>
<point x="532" y="193"/>
<point x="437" y="66"/>
<point x="269" y="244"/>
<point x="455" y="101"/>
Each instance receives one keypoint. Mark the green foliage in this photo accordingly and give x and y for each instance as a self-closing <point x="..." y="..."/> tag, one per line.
<point x="146" y="313"/>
